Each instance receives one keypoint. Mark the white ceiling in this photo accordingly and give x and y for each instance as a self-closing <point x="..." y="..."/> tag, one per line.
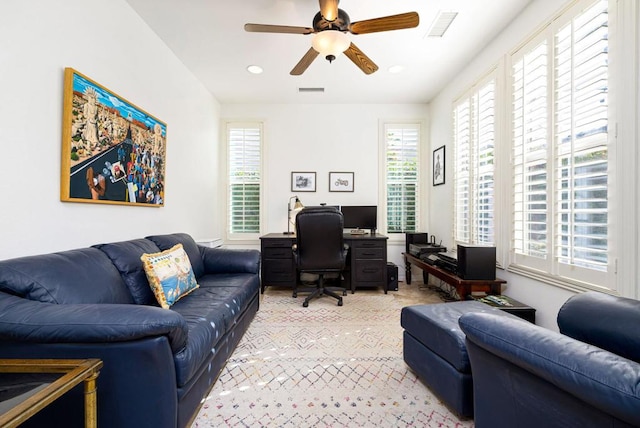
<point x="208" y="37"/>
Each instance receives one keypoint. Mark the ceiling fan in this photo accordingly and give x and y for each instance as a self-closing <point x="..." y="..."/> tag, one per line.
<point x="329" y="28"/>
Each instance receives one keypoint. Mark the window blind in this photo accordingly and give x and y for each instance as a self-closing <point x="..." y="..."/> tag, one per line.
<point x="402" y="177"/>
<point x="462" y="171"/>
<point x="560" y="153"/>
<point x="484" y="165"/>
<point x="581" y="86"/>
<point x="474" y="159"/>
<point x="244" y="154"/>
<point x="530" y="135"/>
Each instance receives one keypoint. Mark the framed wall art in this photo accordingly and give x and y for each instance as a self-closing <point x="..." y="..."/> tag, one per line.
<point x="303" y="181"/>
<point x="341" y="181"/>
<point x="113" y="152"/>
<point x="438" y="166"/>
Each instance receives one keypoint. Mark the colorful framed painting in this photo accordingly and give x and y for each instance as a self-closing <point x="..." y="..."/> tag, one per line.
<point x="113" y="152"/>
<point x="341" y="181"/>
<point x="303" y="181"/>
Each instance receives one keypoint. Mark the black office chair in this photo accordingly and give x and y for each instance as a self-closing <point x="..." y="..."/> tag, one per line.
<point x="320" y="249"/>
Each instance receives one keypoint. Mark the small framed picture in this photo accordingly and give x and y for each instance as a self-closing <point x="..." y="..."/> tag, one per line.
<point x="341" y="181"/>
<point x="438" y="166"/>
<point x="303" y="181"/>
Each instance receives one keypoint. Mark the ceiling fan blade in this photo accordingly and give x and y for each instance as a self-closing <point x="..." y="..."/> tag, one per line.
<point x="329" y="9"/>
<point x="360" y="59"/>
<point x="387" y="23"/>
<point x="305" y="62"/>
<point x="262" y="28"/>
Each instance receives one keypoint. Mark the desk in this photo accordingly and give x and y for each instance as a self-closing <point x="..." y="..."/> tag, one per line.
<point x="366" y="261"/>
<point x="464" y="287"/>
<point x="48" y="380"/>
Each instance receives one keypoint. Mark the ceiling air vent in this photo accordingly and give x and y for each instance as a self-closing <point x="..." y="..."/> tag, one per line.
<point x="311" y="90"/>
<point x="441" y="23"/>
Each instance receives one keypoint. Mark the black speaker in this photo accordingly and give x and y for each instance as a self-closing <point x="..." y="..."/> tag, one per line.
<point x="415" y="238"/>
<point x="475" y="262"/>
<point x="392" y="276"/>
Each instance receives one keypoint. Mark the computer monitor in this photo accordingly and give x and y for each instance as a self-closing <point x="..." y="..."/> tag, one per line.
<point x="360" y="216"/>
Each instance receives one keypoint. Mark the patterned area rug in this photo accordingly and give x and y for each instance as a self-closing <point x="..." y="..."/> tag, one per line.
<point x="325" y="366"/>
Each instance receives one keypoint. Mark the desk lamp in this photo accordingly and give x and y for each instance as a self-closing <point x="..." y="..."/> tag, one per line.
<point x="297" y="206"/>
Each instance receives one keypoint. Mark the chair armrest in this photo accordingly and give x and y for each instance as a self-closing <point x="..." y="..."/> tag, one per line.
<point x="225" y="260"/>
<point x="606" y="321"/>
<point x="597" y="377"/>
<point x="24" y="320"/>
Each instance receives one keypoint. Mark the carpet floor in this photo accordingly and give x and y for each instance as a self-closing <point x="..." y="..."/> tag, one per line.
<point x="326" y="366"/>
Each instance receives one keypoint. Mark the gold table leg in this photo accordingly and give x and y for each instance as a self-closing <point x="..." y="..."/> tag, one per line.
<point x="90" y="406"/>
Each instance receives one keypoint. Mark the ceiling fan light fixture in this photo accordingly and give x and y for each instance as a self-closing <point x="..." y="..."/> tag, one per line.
<point x="330" y="43"/>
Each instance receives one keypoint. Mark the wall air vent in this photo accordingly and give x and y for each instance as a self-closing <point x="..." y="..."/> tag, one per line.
<point x="311" y="90"/>
<point x="442" y="22"/>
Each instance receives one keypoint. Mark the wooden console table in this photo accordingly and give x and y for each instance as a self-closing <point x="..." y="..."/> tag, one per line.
<point x="43" y="382"/>
<point x="464" y="287"/>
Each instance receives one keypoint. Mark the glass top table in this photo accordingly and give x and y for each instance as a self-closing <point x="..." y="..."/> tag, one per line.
<point x="28" y="386"/>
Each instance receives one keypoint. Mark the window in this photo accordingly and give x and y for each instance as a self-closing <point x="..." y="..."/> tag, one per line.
<point x="560" y="149"/>
<point x="474" y="144"/>
<point x="244" y="167"/>
<point x="402" y="175"/>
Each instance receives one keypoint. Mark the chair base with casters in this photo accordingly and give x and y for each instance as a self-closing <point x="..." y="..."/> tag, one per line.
<point x="321" y="290"/>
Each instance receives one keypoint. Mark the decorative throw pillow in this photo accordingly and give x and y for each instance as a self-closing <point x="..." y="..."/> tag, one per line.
<point x="169" y="274"/>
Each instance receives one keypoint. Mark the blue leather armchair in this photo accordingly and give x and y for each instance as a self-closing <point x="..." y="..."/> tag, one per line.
<point x="588" y="375"/>
<point x="96" y="303"/>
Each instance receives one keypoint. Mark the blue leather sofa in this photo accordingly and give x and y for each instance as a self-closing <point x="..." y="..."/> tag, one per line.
<point x="588" y="375"/>
<point x="96" y="302"/>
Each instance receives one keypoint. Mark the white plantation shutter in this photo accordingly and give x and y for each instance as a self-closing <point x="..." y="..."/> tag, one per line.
<point x="462" y="171"/>
<point x="402" y="172"/>
<point x="560" y="139"/>
<point x="484" y="188"/>
<point x="244" y="153"/>
<point x="530" y="152"/>
<point x="581" y="85"/>
<point x="474" y="165"/>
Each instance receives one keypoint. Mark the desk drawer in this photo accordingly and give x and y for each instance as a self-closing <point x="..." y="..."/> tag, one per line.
<point x="369" y="244"/>
<point x="278" y="270"/>
<point x="371" y="271"/>
<point x="277" y="252"/>
<point x="369" y="253"/>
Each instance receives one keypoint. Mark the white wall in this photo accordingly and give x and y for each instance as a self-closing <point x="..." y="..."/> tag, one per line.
<point x="323" y="138"/>
<point x="108" y="42"/>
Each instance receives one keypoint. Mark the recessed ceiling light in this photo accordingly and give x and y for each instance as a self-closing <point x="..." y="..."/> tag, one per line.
<point x="254" y="69"/>
<point x="396" y="69"/>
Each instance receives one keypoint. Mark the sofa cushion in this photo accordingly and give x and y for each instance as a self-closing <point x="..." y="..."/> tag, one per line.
<point x="126" y="258"/>
<point x="164" y="242"/>
<point x="237" y="290"/>
<point x="83" y="275"/>
<point x="211" y="311"/>
<point x="170" y="275"/>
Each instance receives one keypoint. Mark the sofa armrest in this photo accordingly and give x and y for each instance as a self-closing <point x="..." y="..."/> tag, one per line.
<point x="606" y="321"/>
<point x="24" y="320"/>
<point x="597" y="377"/>
<point x="225" y="260"/>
